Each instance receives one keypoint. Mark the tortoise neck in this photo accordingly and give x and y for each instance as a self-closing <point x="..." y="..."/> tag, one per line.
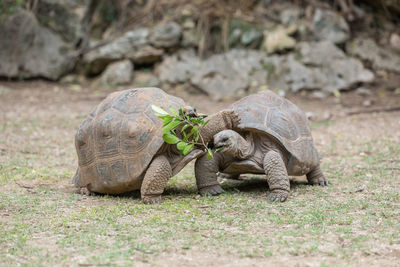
<point x="244" y="147"/>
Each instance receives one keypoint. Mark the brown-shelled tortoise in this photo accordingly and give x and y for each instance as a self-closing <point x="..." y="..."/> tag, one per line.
<point x="273" y="138"/>
<point x="120" y="146"/>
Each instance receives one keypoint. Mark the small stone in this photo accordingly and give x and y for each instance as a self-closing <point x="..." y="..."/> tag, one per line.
<point x="310" y="115"/>
<point x="319" y="94"/>
<point x="363" y="91"/>
<point x="360" y="189"/>
<point x="367" y="103"/>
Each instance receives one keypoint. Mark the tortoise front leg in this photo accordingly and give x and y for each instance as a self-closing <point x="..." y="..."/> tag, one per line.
<point x="224" y="120"/>
<point x="316" y="177"/>
<point x="206" y="176"/>
<point x="277" y="177"/>
<point x="155" y="180"/>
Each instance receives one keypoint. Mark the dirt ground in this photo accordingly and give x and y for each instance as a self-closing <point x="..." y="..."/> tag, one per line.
<point x="38" y="121"/>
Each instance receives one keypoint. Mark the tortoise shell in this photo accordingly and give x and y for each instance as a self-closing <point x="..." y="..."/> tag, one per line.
<point x="117" y="141"/>
<point x="268" y="113"/>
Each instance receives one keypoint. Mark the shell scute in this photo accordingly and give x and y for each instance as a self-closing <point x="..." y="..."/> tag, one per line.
<point x="275" y="116"/>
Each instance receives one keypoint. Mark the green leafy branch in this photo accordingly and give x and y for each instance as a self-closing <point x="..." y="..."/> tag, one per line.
<point x="182" y="130"/>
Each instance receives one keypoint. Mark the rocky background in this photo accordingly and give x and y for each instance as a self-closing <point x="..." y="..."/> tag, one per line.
<point x="223" y="48"/>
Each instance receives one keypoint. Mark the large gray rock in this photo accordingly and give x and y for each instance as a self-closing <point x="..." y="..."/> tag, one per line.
<point x="220" y="76"/>
<point x="117" y="73"/>
<point x="317" y="65"/>
<point x="330" y="26"/>
<point x="68" y="18"/>
<point x="125" y="46"/>
<point x="141" y="46"/>
<point x="179" y="67"/>
<point x="166" y="35"/>
<point x="366" y="49"/>
<point x="30" y="50"/>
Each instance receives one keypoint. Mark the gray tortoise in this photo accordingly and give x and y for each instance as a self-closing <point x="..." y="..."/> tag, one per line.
<point x="120" y="146"/>
<point x="273" y="138"/>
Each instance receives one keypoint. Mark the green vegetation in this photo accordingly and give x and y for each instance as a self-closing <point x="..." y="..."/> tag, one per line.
<point x="336" y="221"/>
<point x="183" y="130"/>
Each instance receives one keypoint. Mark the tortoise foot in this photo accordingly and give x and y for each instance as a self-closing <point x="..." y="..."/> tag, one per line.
<point x="84" y="191"/>
<point x="151" y="199"/>
<point x="278" y="195"/>
<point x="316" y="177"/>
<point x="212" y="190"/>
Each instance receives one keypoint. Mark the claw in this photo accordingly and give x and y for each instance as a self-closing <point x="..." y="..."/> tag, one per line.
<point x="211" y="190"/>
<point x="278" y="196"/>
<point x="323" y="183"/>
<point x="151" y="199"/>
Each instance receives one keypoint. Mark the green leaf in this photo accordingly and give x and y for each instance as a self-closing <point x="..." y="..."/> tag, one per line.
<point x="181" y="113"/>
<point x="159" y="110"/>
<point x="167" y="120"/>
<point x="170" y="126"/>
<point x="181" y="145"/>
<point x="185" y="127"/>
<point x="195" y="130"/>
<point x="218" y="149"/>
<point x="187" y="136"/>
<point x="161" y="116"/>
<point x="205" y="123"/>
<point x="174" y="111"/>
<point x="209" y="154"/>
<point x="187" y="149"/>
<point x="196" y="137"/>
<point x="170" y="138"/>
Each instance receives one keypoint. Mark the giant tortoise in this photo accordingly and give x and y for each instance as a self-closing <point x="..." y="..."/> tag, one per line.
<point x="120" y="146"/>
<point x="273" y="138"/>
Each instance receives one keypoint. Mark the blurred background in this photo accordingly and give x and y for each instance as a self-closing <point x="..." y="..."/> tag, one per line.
<point x="338" y="60"/>
<point x="220" y="49"/>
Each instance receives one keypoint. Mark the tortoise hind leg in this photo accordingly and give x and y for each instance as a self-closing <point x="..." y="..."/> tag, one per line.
<point x="277" y="177"/>
<point x="316" y="177"/>
<point x="155" y="180"/>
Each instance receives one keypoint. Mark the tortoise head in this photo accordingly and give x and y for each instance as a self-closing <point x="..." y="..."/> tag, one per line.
<point x="192" y="112"/>
<point x="226" y="142"/>
<point x="232" y="143"/>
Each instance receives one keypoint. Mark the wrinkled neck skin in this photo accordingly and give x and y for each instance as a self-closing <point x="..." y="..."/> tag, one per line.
<point x="243" y="148"/>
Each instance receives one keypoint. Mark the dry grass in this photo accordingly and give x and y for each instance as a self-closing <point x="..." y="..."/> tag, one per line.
<point x="354" y="221"/>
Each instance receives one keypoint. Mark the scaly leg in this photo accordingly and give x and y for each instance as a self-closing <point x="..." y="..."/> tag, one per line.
<point x="223" y="120"/>
<point x="155" y="180"/>
<point x="316" y="177"/>
<point x="206" y="176"/>
<point x="277" y="176"/>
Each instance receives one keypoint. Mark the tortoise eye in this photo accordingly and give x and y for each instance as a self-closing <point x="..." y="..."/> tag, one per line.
<point x="225" y="139"/>
<point x="81" y="143"/>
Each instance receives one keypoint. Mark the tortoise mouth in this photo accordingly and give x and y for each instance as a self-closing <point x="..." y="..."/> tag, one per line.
<point x="220" y="148"/>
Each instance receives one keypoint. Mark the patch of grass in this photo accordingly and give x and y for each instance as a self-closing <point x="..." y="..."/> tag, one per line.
<point x="43" y="225"/>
